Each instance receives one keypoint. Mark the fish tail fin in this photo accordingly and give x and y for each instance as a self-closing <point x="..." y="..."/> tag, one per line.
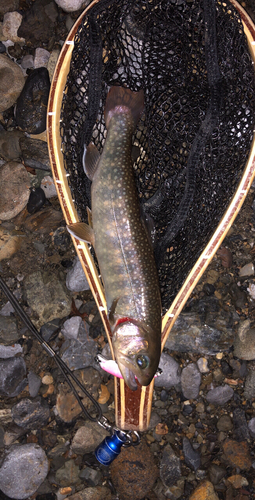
<point x="122" y="100"/>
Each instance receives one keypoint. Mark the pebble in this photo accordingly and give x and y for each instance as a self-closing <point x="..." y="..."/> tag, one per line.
<point x="238" y="481"/>
<point x="12" y="376"/>
<point x="249" y="387"/>
<point x="72" y="5"/>
<point x="53" y="62"/>
<point x="9" y="6"/>
<point x="91" y="476"/>
<point x="34" y="384"/>
<point x="192" y="457"/>
<point x="241" y="431"/>
<point x="247" y="270"/>
<point x="220" y="395"/>
<point x="237" y="454"/>
<point x="171" y="373"/>
<point x="47" y="297"/>
<point x="32" y="103"/>
<point x="48" y="186"/>
<point x="14" y="187"/>
<point x="251" y="427"/>
<point x="11" y="24"/>
<point x="170" y="467"/>
<point x="43" y="222"/>
<point x="31" y="414"/>
<point x="48" y="329"/>
<point x="79" y="354"/>
<point x="68" y="474"/>
<point x="36" y="200"/>
<point x="35" y="153"/>
<point x="37" y="26"/>
<point x="216" y="473"/>
<point x="244" y="344"/>
<point x="8" y="330"/>
<point x="190" y="381"/>
<point x="27" y="61"/>
<point x="10" y="145"/>
<point x="76" y="280"/>
<point x="97" y="493"/>
<point x="202" y="364"/>
<point x="61" y="239"/>
<point x="23" y="470"/>
<point x="41" y="58"/>
<point x="11" y="84"/>
<point x="134" y="472"/>
<point x="225" y="423"/>
<point x="87" y="438"/>
<point x="9" y="351"/>
<point x="226" y="257"/>
<point x="10" y="243"/>
<point x="204" y="491"/>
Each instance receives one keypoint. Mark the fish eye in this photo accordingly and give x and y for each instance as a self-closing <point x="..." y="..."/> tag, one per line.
<point x="142" y="361"/>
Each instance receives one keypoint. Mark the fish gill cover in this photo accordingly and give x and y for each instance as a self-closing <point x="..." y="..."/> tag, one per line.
<point x="191" y="58"/>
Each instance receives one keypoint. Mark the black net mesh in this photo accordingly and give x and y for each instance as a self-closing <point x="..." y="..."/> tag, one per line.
<point x="192" y="60"/>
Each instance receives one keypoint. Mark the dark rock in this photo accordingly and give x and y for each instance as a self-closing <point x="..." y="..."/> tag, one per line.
<point x="48" y="329"/>
<point x="191" y="457"/>
<point x="31" y="414"/>
<point x="226" y="369"/>
<point x="238" y="297"/>
<point x="241" y="431"/>
<point x="224" y="423"/>
<point x="36" y="27"/>
<point x="2" y="48"/>
<point x="36" y="200"/>
<point x="44" y="221"/>
<point x="91" y="476"/>
<point x="35" y="153"/>
<point x="12" y="376"/>
<point x="170" y="467"/>
<point x="8" y="330"/>
<point x="208" y="289"/>
<point x="68" y="474"/>
<point x="32" y="103"/>
<point x="61" y="239"/>
<point x="216" y="473"/>
<point x="190" y="381"/>
<point x="34" y="384"/>
<point x="9" y="144"/>
<point x="226" y="256"/>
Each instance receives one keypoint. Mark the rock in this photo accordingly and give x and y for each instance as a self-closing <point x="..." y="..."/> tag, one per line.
<point x="216" y="473"/>
<point x="244" y="344"/>
<point x="47" y="296"/>
<point x="23" y="470"/>
<point x="170" y="467"/>
<point x="9" y="6"/>
<point x="14" y="186"/>
<point x="91" y="476"/>
<point x="53" y="62"/>
<point x="204" y="491"/>
<point x="220" y="395"/>
<point x="31" y="414"/>
<point x="191" y="457"/>
<point x="190" y="381"/>
<point x="247" y="270"/>
<point x="71" y="327"/>
<point x="68" y="474"/>
<point x="9" y="351"/>
<point x="11" y="24"/>
<point x="43" y="222"/>
<point x="202" y="364"/>
<point x="225" y="256"/>
<point x="61" y="239"/>
<point x="8" y="330"/>
<point x="98" y="493"/>
<point x="87" y="438"/>
<point x="249" y="388"/>
<point x="134" y="472"/>
<point x="241" y="431"/>
<point x="225" y="423"/>
<point x="34" y="384"/>
<point x="238" y="481"/>
<point x="76" y="280"/>
<point x="238" y="296"/>
<point x="10" y="243"/>
<point x="48" y="186"/>
<point x="9" y="144"/>
<point x="171" y="372"/>
<point x="11" y="84"/>
<point x="35" y="153"/>
<point x="72" y="5"/>
<point x="36" y="200"/>
<point x="78" y="354"/>
<point x="27" y="61"/>
<point x="32" y="103"/>
<point x="13" y="433"/>
<point x="12" y="376"/>
<point x="251" y="427"/>
<point x="36" y="27"/>
<point x="41" y="58"/>
<point x="48" y="329"/>
<point x="237" y="454"/>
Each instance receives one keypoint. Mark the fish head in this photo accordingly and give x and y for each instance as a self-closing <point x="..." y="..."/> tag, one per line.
<point x="137" y="352"/>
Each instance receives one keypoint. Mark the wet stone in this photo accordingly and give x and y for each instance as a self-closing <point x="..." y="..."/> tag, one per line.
<point x="68" y="474"/>
<point x="31" y="414"/>
<point x="171" y="372"/>
<point x="244" y="344"/>
<point x="170" y="467"/>
<point x="216" y="473"/>
<point x="237" y="454"/>
<point x="9" y="144"/>
<point x="32" y="103"/>
<point x="190" y="381"/>
<point x="34" y="384"/>
<point x="11" y="84"/>
<point x="14" y="186"/>
<point x="36" y="27"/>
<point x="251" y="426"/>
<point x="71" y="327"/>
<point x="36" y="200"/>
<point x="204" y="491"/>
<point x="11" y="24"/>
<point x="191" y="457"/>
<point x="225" y="423"/>
<point x="49" y="188"/>
<point x="76" y="280"/>
<point x="23" y="470"/>
<point x="12" y="376"/>
<point x="35" y="153"/>
<point x="8" y="330"/>
<point x="91" y="476"/>
<point x="97" y="493"/>
<point x="249" y="388"/>
<point x="87" y="438"/>
<point x="241" y="431"/>
<point x="134" y="472"/>
<point x="220" y="395"/>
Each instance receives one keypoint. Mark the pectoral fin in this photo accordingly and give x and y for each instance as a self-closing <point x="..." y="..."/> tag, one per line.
<point x="91" y="157"/>
<point x="89" y="214"/>
<point x="82" y="232"/>
<point x="112" y="311"/>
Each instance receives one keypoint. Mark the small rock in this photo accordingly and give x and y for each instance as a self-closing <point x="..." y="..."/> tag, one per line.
<point x="237" y="454"/>
<point x="225" y="423"/>
<point x="251" y="427"/>
<point x="27" y="61"/>
<point x="71" y="327"/>
<point x="53" y="62"/>
<point x="41" y="58"/>
<point x="10" y="243"/>
<point x="87" y="438"/>
<point x="238" y="481"/>
<point x="97" y="493"/>
<point x="216" y="473"/>
<point x="241" y="432"/>
<point x="14" y="186"/>
<point x="9" y="144"/>
<point x="31" y="414"/>
<point x="36" y="27"/>
<point x="48" y="186"/>
<point x="104" y="395"/>
<point x="79" y="354"/>
<point x="8" y="330"/>
<point x="249" y="388"/>
<point x="35" y="153"/>
<point x="191" y="457"/>
<point x="202" y="364"/>
<point x="43" y="222"/>
<point x="244" y="344"/>
<point x="23" y="470"/>
<point x="36" y="200"/>
<point x="73" y="5"/>
<point x="47" y="379"/>
<point x="48" y="329"/>
<point x="61" y="239"/>
<point x="171" y="372"/>
<point x="9" y="351"/>
<point x="247" y="270"/>
<point x="225" y="256"/>
<point x="170" y="467"/>
<point x="11" y="24"/>
<point x="11" y="84"/>
<point x="238" y="296"/>
<point x="34" y="384"/>
<point x="13" y="433"/>
<point x="68" y="474"/>
<point x="9" y="6"/>
<point x="32" y="103"/>
<point x="190" y="381"/>
<point x="91" y="476"/>
<point x="134" y="472"/>
<point x="76" y="280"/>
<point x="204" y="491"/>
<point x="12" y="376"/>
<point x="220" y="395"/>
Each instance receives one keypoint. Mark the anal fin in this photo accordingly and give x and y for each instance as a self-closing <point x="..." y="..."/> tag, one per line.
<point x="82" y="232"/>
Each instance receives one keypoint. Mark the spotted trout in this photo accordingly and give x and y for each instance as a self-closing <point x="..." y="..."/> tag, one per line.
<point x="122" y="243"/>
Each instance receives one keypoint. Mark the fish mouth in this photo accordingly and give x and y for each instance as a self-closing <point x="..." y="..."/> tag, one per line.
<point x="129" y="377"/>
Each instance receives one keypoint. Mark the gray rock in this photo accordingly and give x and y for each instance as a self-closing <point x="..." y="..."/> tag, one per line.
<point x="91" y="476"/>
<point x="13" y="433"/>
<point x="35" y="153"/>
<point x="72" y="5"/>
<point x="191" y="457"/>
<point x="77" y="354"/>
<point x="97" y="493"/>
<point x="76" y="280"/>
<point x="241" y="431"/>
<point x="68" y="474"/>
<point x="87" y="438"/>
<point x="170" y="467"/>
<point x="31" y="414"/>
<point x="8" y="330"/>
<point x="9" y="351"/>
<point x="216" y="473"/>
<point x="225" y="423"/>
<point x="249" y="388"/>
<point x="23" y="470"/>
<point x="71" y="327"/>
<point x="48" y="329"/>
<point x="47" y="296"/>
<point x="220" y="395"/>
<point x="34" y="384"/>
<point x="49" y="187"/>
<point x="251" y="427"/>
<point x="12" y="376"/>
<point x="7" y="309"/>
<point x="27" y="61"/>
<point x="190" y="381"/>
<point x="171" y="372"/>
<point x="9" y="144"/>
<point x="14" y="186"/>
<point x="11" y="84"/>
<point x="244" y="344"/>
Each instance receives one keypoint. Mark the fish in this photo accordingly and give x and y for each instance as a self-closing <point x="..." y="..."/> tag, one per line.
<point x="122" y="243"/>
